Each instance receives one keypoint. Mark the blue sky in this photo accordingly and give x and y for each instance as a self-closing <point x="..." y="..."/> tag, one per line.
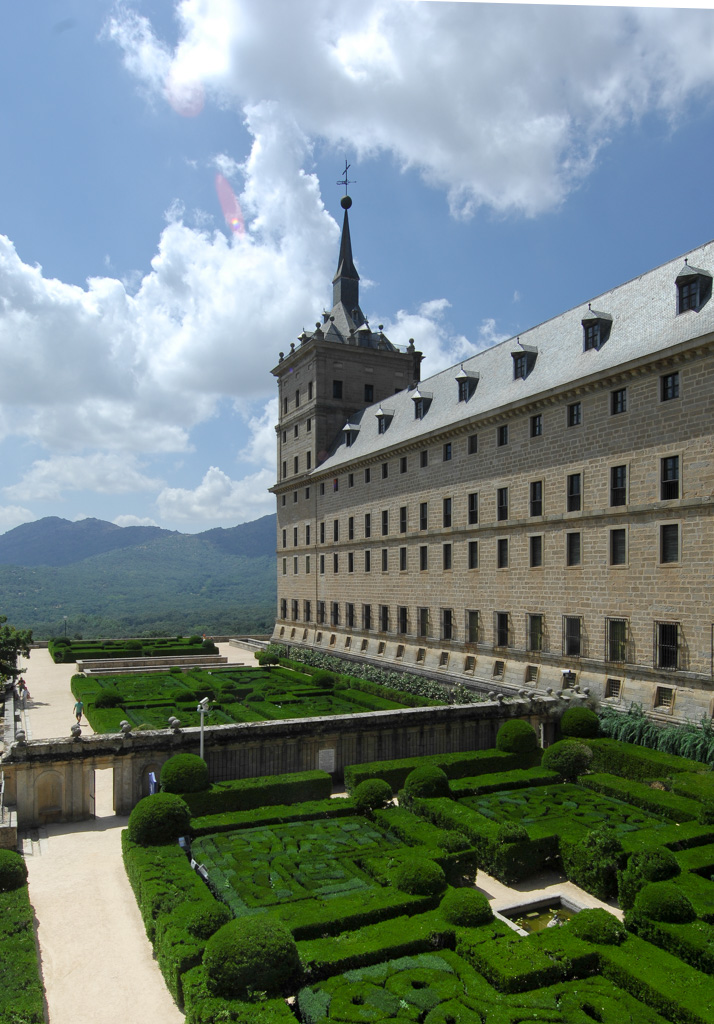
<point x="509" y="162"/>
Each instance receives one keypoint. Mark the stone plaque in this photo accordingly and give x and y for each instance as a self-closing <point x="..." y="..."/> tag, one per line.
<point x="326" y="759"/>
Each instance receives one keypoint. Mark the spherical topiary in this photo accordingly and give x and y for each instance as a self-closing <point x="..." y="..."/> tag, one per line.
<point x="598" y="925"/>
<point x="567" y="758"/>
<point x="420" y="877"/>
<point x="511" y="832"/>
<point x="663" y="901"/>
<point x="654" y="865"/>
<point x="371" y="795"/>
<point x="465" y="907"/>
<point x="184" y="773"/>
<point x="13" y="870"/>
<point x="251" y="954"/>
<point x="207" y="919"/>
<point x="517" y="737"/>
<point x="159" y="819"/>
<point x="579" y="722"/>
<point x="426" y="781"/>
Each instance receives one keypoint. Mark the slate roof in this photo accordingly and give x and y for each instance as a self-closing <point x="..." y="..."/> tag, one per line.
<point x="645" y="323"/>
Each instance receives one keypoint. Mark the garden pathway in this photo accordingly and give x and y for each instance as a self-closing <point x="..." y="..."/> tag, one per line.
<point x="97" y="963"/>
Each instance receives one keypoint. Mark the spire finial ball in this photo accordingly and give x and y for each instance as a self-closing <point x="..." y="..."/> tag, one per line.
<point x="345" y="202"/>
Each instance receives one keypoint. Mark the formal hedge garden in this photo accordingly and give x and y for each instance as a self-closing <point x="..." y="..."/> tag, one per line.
<point x="366" y="910"/>
<point x="21" y="994"/>
<point x="64" y="651"/>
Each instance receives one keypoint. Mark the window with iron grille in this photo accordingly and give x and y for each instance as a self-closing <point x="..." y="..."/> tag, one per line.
<point x="667" y="645"/>
<point x="618" y="485"/>
<point x="669" y="387"/>
<point x="473" y="554"/>
<point x="423" y="557"/>
<point x="669" y="542"/>
<point x="669" y="478"/>
<point x="536" y="498"/>
<point x="350" y="616"/>
<point x="572" y="549"/>
<point x="502" y="630"/>
<point x="283" y="608"/>
<point x="401" y="619"/>
<point x="473" y="509"/>
<point x="664" y="698"/>
<point x="574" y="492"/>
<point x="306" y="610"/>
<point x="613" y="688"/>
<point x="447" y="628"/>
<point x="534" y="632"/>
<point x="618" y="547"/>
<point x="502" y="503"/>
<point x="402" y="559"/>
<point x="502" y="552"/>
<point x="536" y="425"/>
<point x="384" y="618"/>
<point x="572" y="636"/>
<point x="335" y="613"/>
<point x="446" y="556"/>
<point x="536" y="552"/>
<point x="366" y="616"/>
<point x="616" y="632"/>
<point x="472" y="627"/>
<point x="446" y="512"/>
<point x="321" y="613"/>
<point x="422" y="621"/>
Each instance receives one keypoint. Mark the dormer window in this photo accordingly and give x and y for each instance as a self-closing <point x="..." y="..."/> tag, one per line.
<point x="466" y="383"/>
<point x="351" y="431"/>
<point x="524" y="360"/>
<point x="422" y="401"/>
<point x="596" y="329"/>
<point x="694" y="288"/>
<point x="384" y="418"/>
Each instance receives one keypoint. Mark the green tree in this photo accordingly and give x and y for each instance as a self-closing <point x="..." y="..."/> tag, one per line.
<point x="13" y="643"/>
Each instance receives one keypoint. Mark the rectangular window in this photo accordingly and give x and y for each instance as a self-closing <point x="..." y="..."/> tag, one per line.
<point x="472" y="627"/>
<point x="296" y="430"/>
<point x="335" y="563"/>
<point x="446" y="556"/>
<point x="309" y="392"/>
<point x="502" y="631"/>
<point x="534" y="633"/>
<point x="308" y="425"/>
<point x="385" y="522"/>
<point x="618" y="547"/>
<point x="502" y="503"/>
<point x="473" y="444"/>
<point x="368" y="561"/>
<point x="368" y="524"/>
<point x="296" y="464"/>
<point x="285" y="469"/>
<point x="618" y="485"/>
<point x="367" y="475"/>
<point x="423" y="557"/>
<point x="502" y="553"/>
<point x="335" y="613"/>
<point x="669" y="542"/>
<point x="295" y="566"/>
<point x="285" y="566"/>
<point x="447" y="624"/>
<point x="667" y="645"/>
<point x="664" y="698"/>
<point x="423" y="459"/>
<point x="402" y="559"/>
<point x="618" y="401"/>
<point x="283" y="601"/>
<point x="536" y="425"/>
<point x="294" y="610"/>
<point x="403" y="519"/>
<point x="401" y="620"/>
<point x="336" y="530"/>
<point x="536" y="498"/>
<point x="385" y="470"/>
<point x="350" y="616"/>
<point x="307" y="564"/>
<point x="350" y="479"/>
<point x="322" y="532"/>
<point x="322" y="488"/>
<point x="297" y="399"/>
<point x="575" y="414"/>
<point x="613" y="688"/>
<point x="351" y="528"/>
<point x="350" y="561"/>
<point x="574" y="493"/>
<point x="572" y="549"/>
<point x="337" y="389"/>
<point x="669" y="478"/>
<point x="320" y="613"/>
<point x="423" y="515"/>
<point x="285" y="405"/>
<point x="446" y="512"/>
<point x="669" y="387"/>
<point x="336" y="484"/>
<point x="307" y="493"/>
<point x="536" y="552"/>
<point x="419" y="408"/>
<point x="307" y="534"/>
<point x="306" y="611"/>
<point x="285" y="538"/>
<point x="473" y="509"/>
<point x="384" y="618"/>
<point x="572" y="636"/>
<point x="369" y="393"/>
<point x="385" y="559"/>
<point x="502" y="436"/>
<point x="295" y="495"/>
<point x="366" y="616"/>
<point x="447" y="452"/>
<point x="403" y="464"/>
<point x="422" y="621"/>
<point x="473" y="554"/>
<point x="322" y="565"/>
<point x="616" y="640"/>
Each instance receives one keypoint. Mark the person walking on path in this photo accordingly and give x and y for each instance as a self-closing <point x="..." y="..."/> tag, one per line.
<point x="22" y="692"/>
<point x="78" y="709"/>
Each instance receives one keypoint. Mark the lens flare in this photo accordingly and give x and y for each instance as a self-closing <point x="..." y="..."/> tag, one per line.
<point x="186" y="97"/>
<point x="230" y="205"/>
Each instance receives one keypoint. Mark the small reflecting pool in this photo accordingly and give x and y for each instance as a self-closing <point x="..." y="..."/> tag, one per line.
<point x="535" y="917"/>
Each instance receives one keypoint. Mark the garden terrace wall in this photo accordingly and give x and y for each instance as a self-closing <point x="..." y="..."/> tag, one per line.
<point x="52" y="780"/>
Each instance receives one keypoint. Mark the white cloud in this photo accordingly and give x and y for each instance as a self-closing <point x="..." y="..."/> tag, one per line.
<point x="107" y="473"/>
<point x="496" y="104"/>
<point x="129" y="520"/>
<point x="261" y="446"/>
<point x="432" y="336"/>
<point x="218" y="499"/>
<point x="14" y="515"/>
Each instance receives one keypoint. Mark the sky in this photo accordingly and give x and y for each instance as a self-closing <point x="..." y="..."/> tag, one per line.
<point x="170" y="212"/>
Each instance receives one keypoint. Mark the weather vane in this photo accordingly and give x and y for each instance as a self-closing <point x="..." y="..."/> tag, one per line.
<point x="345" y="181"/>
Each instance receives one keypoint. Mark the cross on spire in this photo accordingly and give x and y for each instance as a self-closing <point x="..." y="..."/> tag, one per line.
<point x="345" y="181"/>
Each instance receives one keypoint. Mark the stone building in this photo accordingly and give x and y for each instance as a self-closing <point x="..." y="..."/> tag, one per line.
<point x="538" y="516"/>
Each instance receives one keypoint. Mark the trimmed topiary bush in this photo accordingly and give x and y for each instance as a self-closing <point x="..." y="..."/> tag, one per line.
<point x="706" y="814"/>
<point x="420" y="877"/>
<point x="13" y="871"/>
<point x="372" y="795"/>
<point x="655" y="865"/>
<point x="184" y="773"/>
<point x="567" y="758"/>
<point x="580" y="722"/>
<point x="467" y="908"/>
<point x="597" y="925"/>
<point x="511" y="832"/>
<point x="662" y="901"/>
<point x="207" y="919"/>
<point x="426" y="781"/>
<point x="517" y="737"/>
<point x="252" y="954"/>
<point x="109" y="699"/>
<point x="159" y="819"/>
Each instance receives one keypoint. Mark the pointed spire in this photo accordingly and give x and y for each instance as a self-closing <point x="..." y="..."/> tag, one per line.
<point x="345" y="283"/>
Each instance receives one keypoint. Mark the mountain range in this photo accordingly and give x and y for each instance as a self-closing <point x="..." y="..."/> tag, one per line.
<point x="93" y="578"/>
